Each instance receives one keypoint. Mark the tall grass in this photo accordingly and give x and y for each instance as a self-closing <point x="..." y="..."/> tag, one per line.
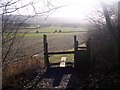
<point x="16" y="68"/>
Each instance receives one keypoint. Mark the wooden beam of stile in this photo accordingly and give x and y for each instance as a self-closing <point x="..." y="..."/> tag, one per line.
<point x="66" y="52"/>
<point x="63" y="61"/>
<point x="75" y="50"/>
<point x="45" y="44"/>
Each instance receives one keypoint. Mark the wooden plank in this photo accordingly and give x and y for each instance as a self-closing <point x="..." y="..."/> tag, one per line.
<point x="67" y="52"/>
<point x="69" y="63"/>
<point x="62" y="64"/>
<point x="52" y="64"/>
<point x="63" y="60"/>
<point x="82" y="47"/>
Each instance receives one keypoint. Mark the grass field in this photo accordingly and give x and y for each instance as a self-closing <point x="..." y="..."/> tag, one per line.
<point x="52" y="29"/>
<point x="57" y="41"/>
<point x="32" y="42"/>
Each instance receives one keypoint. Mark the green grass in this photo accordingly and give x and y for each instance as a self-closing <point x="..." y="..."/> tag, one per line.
<point x="57" y="58"/>
<point x="36" y="34"/>
<point x="46" y="30"/>
<point x="52" y="29"/>
<point x="48" y="34"/>
<point x="33" y="35"/>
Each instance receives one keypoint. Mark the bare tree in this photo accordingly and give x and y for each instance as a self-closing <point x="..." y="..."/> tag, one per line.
<point x="105" y="32"/>
<point x="12" y="23"/>
<point x="114" y="35"/>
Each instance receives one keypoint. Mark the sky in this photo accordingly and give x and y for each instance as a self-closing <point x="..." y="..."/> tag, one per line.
<point x="77" y="9"/>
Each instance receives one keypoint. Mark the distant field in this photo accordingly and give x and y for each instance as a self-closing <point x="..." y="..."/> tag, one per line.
<point x="32" y="43"/>
<point x="57" y="41"/>
<point x="52" y="29"/>
<point x="48" y="34"/>
<point x="49" y="31"/>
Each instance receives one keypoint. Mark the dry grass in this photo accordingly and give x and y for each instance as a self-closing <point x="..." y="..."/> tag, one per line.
<point x="22" y="66"/>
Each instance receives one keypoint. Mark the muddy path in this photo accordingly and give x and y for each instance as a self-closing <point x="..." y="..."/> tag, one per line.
<point x="55" y="77"/>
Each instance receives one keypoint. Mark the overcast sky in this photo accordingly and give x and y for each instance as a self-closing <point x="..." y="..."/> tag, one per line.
<point x="71" y="8"/>
<point x="75" y="9"/>
<point x="78" y="8"/>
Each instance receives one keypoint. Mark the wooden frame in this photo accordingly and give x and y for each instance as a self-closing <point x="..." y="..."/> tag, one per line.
<point x="75" y="52"/>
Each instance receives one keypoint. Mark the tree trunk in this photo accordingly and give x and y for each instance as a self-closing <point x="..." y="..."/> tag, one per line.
<point x="110" y="28"/>
<point x="119" y="31"/>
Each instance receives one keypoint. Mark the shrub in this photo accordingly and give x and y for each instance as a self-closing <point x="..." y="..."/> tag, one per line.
<point x="55" y="31"/>
<point x="37" y="31"/>
<point x="60" y="31"/>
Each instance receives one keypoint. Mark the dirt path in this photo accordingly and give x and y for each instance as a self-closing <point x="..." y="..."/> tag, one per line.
<point x="57" y="77"/>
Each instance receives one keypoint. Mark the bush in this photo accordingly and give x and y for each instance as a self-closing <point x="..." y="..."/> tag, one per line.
<point x="60" y="31"/>
<point x="55" y="31"/>
<point x="37" y="31"/>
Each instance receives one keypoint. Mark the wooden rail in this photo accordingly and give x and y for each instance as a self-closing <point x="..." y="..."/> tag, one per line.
<point x="67" y="52"/>
<point x="82" y="47"/>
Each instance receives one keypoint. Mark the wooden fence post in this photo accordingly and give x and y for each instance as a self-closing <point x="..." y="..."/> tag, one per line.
<point x="89" y="54"/>
<point x="75" y="51"/>
<point x="88" y="47"/>
<point x="45" y="45"/>
<point x="74" y="48"/>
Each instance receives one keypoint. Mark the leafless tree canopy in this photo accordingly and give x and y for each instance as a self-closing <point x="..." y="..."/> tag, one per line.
<point x="104" y="30"/>
<point x="10" y="12"/>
